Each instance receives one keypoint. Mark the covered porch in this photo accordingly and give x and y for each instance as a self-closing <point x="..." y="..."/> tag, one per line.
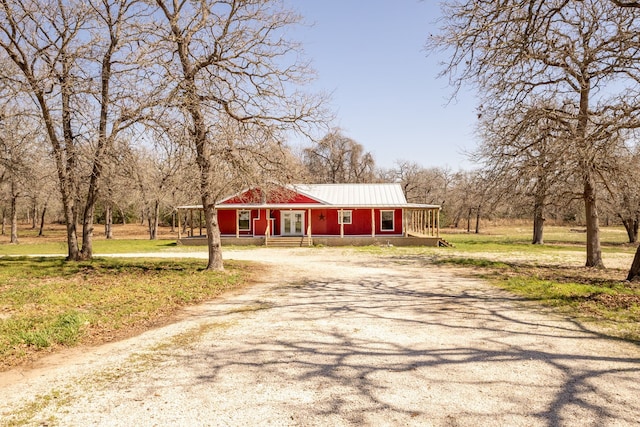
<point x="296" y="225"/>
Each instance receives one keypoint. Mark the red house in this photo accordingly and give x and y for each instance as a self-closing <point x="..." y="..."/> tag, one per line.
<point x="329" y="214"/>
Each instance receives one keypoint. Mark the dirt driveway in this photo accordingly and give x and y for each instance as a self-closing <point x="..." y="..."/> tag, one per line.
<point x="332" y="337"/>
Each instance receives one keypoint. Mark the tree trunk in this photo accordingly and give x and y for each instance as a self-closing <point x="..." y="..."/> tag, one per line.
<point x="34" y="215"/>
<point x="213" y="235"/>
<point x="108" y="221"/>
<point x="210" y="215"/>
<point x="153" y="221"/>
<point x="634" y="271"/>
<point x="478" y="221"/>
<point x="538" y="223"/>
<point x="104" y="141"/>
<point x="631" y="226"/>
<point x="156" y="219"/>
<point x="538" y="208"/>
<point x="203" y="159"/>
<point x="594" y="251"/>
<point x="469" y="221"/>
<point x="67" y="166"/>
<point x="538" y="230"/>
<point x="150" y="229"/>
<point x="73" y="254"/>
<point x="4" y="220"/>
<point x="42" y="216"/>
<point x="87" y="228"/>
<point x="14" y="220"/>
<point x="124" y="218"/>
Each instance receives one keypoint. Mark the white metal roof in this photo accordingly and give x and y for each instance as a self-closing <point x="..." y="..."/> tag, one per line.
<point x="354" y="194"/>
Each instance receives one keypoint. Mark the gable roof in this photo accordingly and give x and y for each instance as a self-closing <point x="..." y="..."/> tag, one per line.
<point x="354" y="194"/>
<point x="380" y="195"/>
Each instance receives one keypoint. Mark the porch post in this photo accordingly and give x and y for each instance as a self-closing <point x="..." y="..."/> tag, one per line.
<point x="404" y="223"/>
<point x="427" y="221"/>
<point x="373" y="223"/>
<point x="434" y="215"/>
<point x="438" y="223"/>
<point x="432" y="223"/>
<point x="267" y="231"/>
<point x="309" y="228"/>
<point x="179" y="224"/>
<point x="341" y="223"/>
<point x="191" y="215"/>
<point x="413" y="221"/>
<point x="237" y="226"/>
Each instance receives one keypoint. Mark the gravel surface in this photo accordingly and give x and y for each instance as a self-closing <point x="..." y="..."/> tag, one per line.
<point x="332" y="337"/>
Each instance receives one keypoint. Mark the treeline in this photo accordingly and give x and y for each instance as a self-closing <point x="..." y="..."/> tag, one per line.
<point x="146" y="183"/>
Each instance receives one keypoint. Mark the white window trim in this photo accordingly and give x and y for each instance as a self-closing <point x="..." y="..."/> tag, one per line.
<point x="393" y="220"/>
<point x="342" y="214"/>
<point x="248" y="220"/>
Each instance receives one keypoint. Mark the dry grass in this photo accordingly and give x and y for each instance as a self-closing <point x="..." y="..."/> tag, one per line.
<point x="56" y="233"/>
<point x="47" y="303"/>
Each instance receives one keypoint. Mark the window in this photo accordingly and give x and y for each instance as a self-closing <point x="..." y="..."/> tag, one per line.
<point x="386" y="220"/>
<point x="244" y="220"/>
<point x="345" y="218"/>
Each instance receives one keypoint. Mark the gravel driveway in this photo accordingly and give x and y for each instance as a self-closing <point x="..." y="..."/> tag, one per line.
<point x="332" y="337"/>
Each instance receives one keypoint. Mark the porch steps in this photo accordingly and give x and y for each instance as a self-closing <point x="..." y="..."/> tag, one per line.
<point x="288" y="242"/>
<point x="444" y="243"/>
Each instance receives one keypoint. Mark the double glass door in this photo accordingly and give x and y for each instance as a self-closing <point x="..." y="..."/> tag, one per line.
<point x="292" y="223"/>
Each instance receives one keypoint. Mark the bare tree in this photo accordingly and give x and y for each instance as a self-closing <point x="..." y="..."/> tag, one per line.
<point x="229" y="65"/>
<point x="420" y="184"/>
<point x="626" y="3"/>
<point x="156" y="174"/>
<point x="339" y="159"/>
<point x="526" y="147"/>
<point x="68" y="55"/>
<point x="622" y="184"/>
<point x="568" y="51"/>
<point x="18" y="145"/>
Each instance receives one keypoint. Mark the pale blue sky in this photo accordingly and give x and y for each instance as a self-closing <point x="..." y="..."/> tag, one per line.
<point x="369" y="55"/>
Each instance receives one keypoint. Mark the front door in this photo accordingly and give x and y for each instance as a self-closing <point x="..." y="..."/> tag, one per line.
<point x="292" y="223"/>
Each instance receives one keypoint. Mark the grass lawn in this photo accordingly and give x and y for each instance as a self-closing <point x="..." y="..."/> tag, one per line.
<point x="554" y="275"/>
<point x="47" y="303"/>
<point x="129" y="238"/>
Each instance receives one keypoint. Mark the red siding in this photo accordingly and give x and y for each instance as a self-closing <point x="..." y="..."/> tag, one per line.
<point x="397" y="222"/>
<point x="295" y="198"/>
<point x="323" y="222"/>
<point x="227" y="222"/>
<point x="249" y="196"/>
<point x="259" y="223"/>
<point x="319" y="221"/>
<point x="256" y="196"/>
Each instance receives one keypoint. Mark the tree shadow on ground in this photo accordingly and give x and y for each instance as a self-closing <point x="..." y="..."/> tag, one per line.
<point x="425" y="347"/>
